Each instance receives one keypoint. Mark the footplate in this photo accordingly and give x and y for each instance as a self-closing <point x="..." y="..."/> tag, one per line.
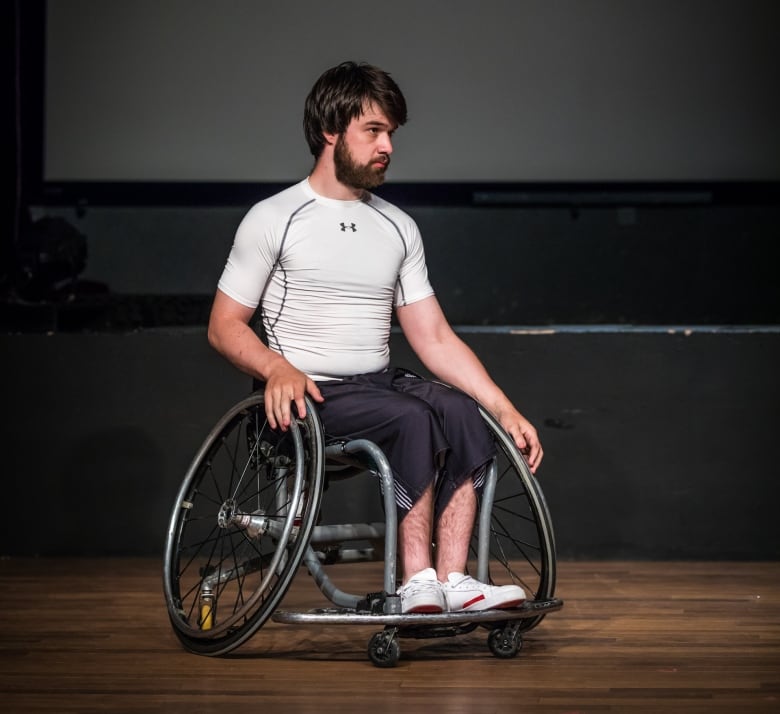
<point x="346" y="616"/>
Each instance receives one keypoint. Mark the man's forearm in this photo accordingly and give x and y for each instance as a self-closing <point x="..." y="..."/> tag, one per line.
<point x="237" y="342"/>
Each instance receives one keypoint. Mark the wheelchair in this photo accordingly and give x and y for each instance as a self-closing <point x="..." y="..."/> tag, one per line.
<point x="248" y="515"/>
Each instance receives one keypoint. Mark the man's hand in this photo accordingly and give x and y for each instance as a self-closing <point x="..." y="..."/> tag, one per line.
<point x="524" y="434"/>
<point x="284" y="386"/>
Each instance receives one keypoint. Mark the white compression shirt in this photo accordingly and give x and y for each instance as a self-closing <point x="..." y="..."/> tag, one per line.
<point x="327" y="274"/>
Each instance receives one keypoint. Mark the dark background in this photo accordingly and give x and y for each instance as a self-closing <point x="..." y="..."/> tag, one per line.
<point x="634" y="321"/>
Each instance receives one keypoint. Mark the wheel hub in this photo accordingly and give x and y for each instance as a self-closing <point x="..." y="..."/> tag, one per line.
<point x="226" y="513"/>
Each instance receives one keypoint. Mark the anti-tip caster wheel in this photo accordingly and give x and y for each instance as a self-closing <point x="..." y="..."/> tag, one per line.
<point x="505" y="642"/>
<point x="384" y="650"/>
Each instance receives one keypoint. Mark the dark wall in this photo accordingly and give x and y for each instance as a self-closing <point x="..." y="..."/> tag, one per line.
<point x="658" y="444"/>
<point x="631" y="264"/>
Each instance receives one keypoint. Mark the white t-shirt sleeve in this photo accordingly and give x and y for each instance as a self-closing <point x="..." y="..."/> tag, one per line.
<point x="251" y="258"/>
<point x="413" y="283"/>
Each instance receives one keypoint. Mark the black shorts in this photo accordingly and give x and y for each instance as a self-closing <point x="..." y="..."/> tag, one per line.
<point x="431" y="434"/>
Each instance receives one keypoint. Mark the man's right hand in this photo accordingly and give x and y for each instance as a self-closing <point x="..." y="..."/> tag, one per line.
<point x="285" y="385"/>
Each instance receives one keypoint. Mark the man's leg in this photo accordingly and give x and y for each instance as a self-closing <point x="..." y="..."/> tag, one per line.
<point x="453" y="534"/>
<point x="421" y="590"/>
<point x="414" y="537"/>
<point x="453" y="531"/>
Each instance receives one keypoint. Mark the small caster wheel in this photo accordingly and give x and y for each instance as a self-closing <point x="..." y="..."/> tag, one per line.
<point x="505" y="643"/>
<point x="384" y="650"/>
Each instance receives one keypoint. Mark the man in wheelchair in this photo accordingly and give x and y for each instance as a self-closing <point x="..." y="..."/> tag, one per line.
<point x="327" y="261"/>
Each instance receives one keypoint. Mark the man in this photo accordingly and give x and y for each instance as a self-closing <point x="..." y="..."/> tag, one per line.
<point x="328" y="261"/>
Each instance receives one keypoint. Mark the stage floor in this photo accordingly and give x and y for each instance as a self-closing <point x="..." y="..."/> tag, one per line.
<point x="93" y="636"/>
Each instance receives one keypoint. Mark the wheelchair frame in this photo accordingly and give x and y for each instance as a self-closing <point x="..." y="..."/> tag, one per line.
<point x="246" y="515"/>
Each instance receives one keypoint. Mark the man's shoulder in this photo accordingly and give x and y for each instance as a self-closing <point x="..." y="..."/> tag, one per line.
<point x="391" y="211"/>
<point x="282" y="203"/>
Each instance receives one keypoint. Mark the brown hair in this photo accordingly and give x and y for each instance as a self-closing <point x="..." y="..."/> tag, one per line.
<point x="342" y="93"/>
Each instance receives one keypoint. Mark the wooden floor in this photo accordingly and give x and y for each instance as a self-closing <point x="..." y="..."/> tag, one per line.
<point x="92" y="636"/>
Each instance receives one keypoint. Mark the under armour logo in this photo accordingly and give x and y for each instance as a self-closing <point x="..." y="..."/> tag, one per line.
<point x="351" y="226"/>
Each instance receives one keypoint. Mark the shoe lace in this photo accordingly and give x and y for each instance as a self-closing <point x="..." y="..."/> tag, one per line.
<point x="421" y="586"/>
<point x="469" y="583"/>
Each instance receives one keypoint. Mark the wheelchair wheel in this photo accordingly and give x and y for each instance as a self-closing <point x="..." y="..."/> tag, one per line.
<point x="518" y="533"/>
<point x="240" y="525"/>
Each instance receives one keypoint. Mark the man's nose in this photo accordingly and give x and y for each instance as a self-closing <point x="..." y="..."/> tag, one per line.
<point x="385" y="144"/>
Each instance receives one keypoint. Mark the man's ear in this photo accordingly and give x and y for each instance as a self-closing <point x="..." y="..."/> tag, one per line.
<point x="330" y="138"/>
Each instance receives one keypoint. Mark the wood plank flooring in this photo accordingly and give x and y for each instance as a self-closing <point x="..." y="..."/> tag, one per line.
<point x="93" y="636"/>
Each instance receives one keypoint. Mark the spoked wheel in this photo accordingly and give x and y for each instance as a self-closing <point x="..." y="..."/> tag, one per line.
<point x="518" y="545"/>
<point x="240" y="525"/>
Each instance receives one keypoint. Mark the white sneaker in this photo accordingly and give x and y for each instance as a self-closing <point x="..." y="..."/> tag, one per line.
<point x="462" y="592"/>
<point x="423" y="593"/>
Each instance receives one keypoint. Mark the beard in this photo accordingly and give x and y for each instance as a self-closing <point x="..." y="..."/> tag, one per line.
<point x="350" y="173"/>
